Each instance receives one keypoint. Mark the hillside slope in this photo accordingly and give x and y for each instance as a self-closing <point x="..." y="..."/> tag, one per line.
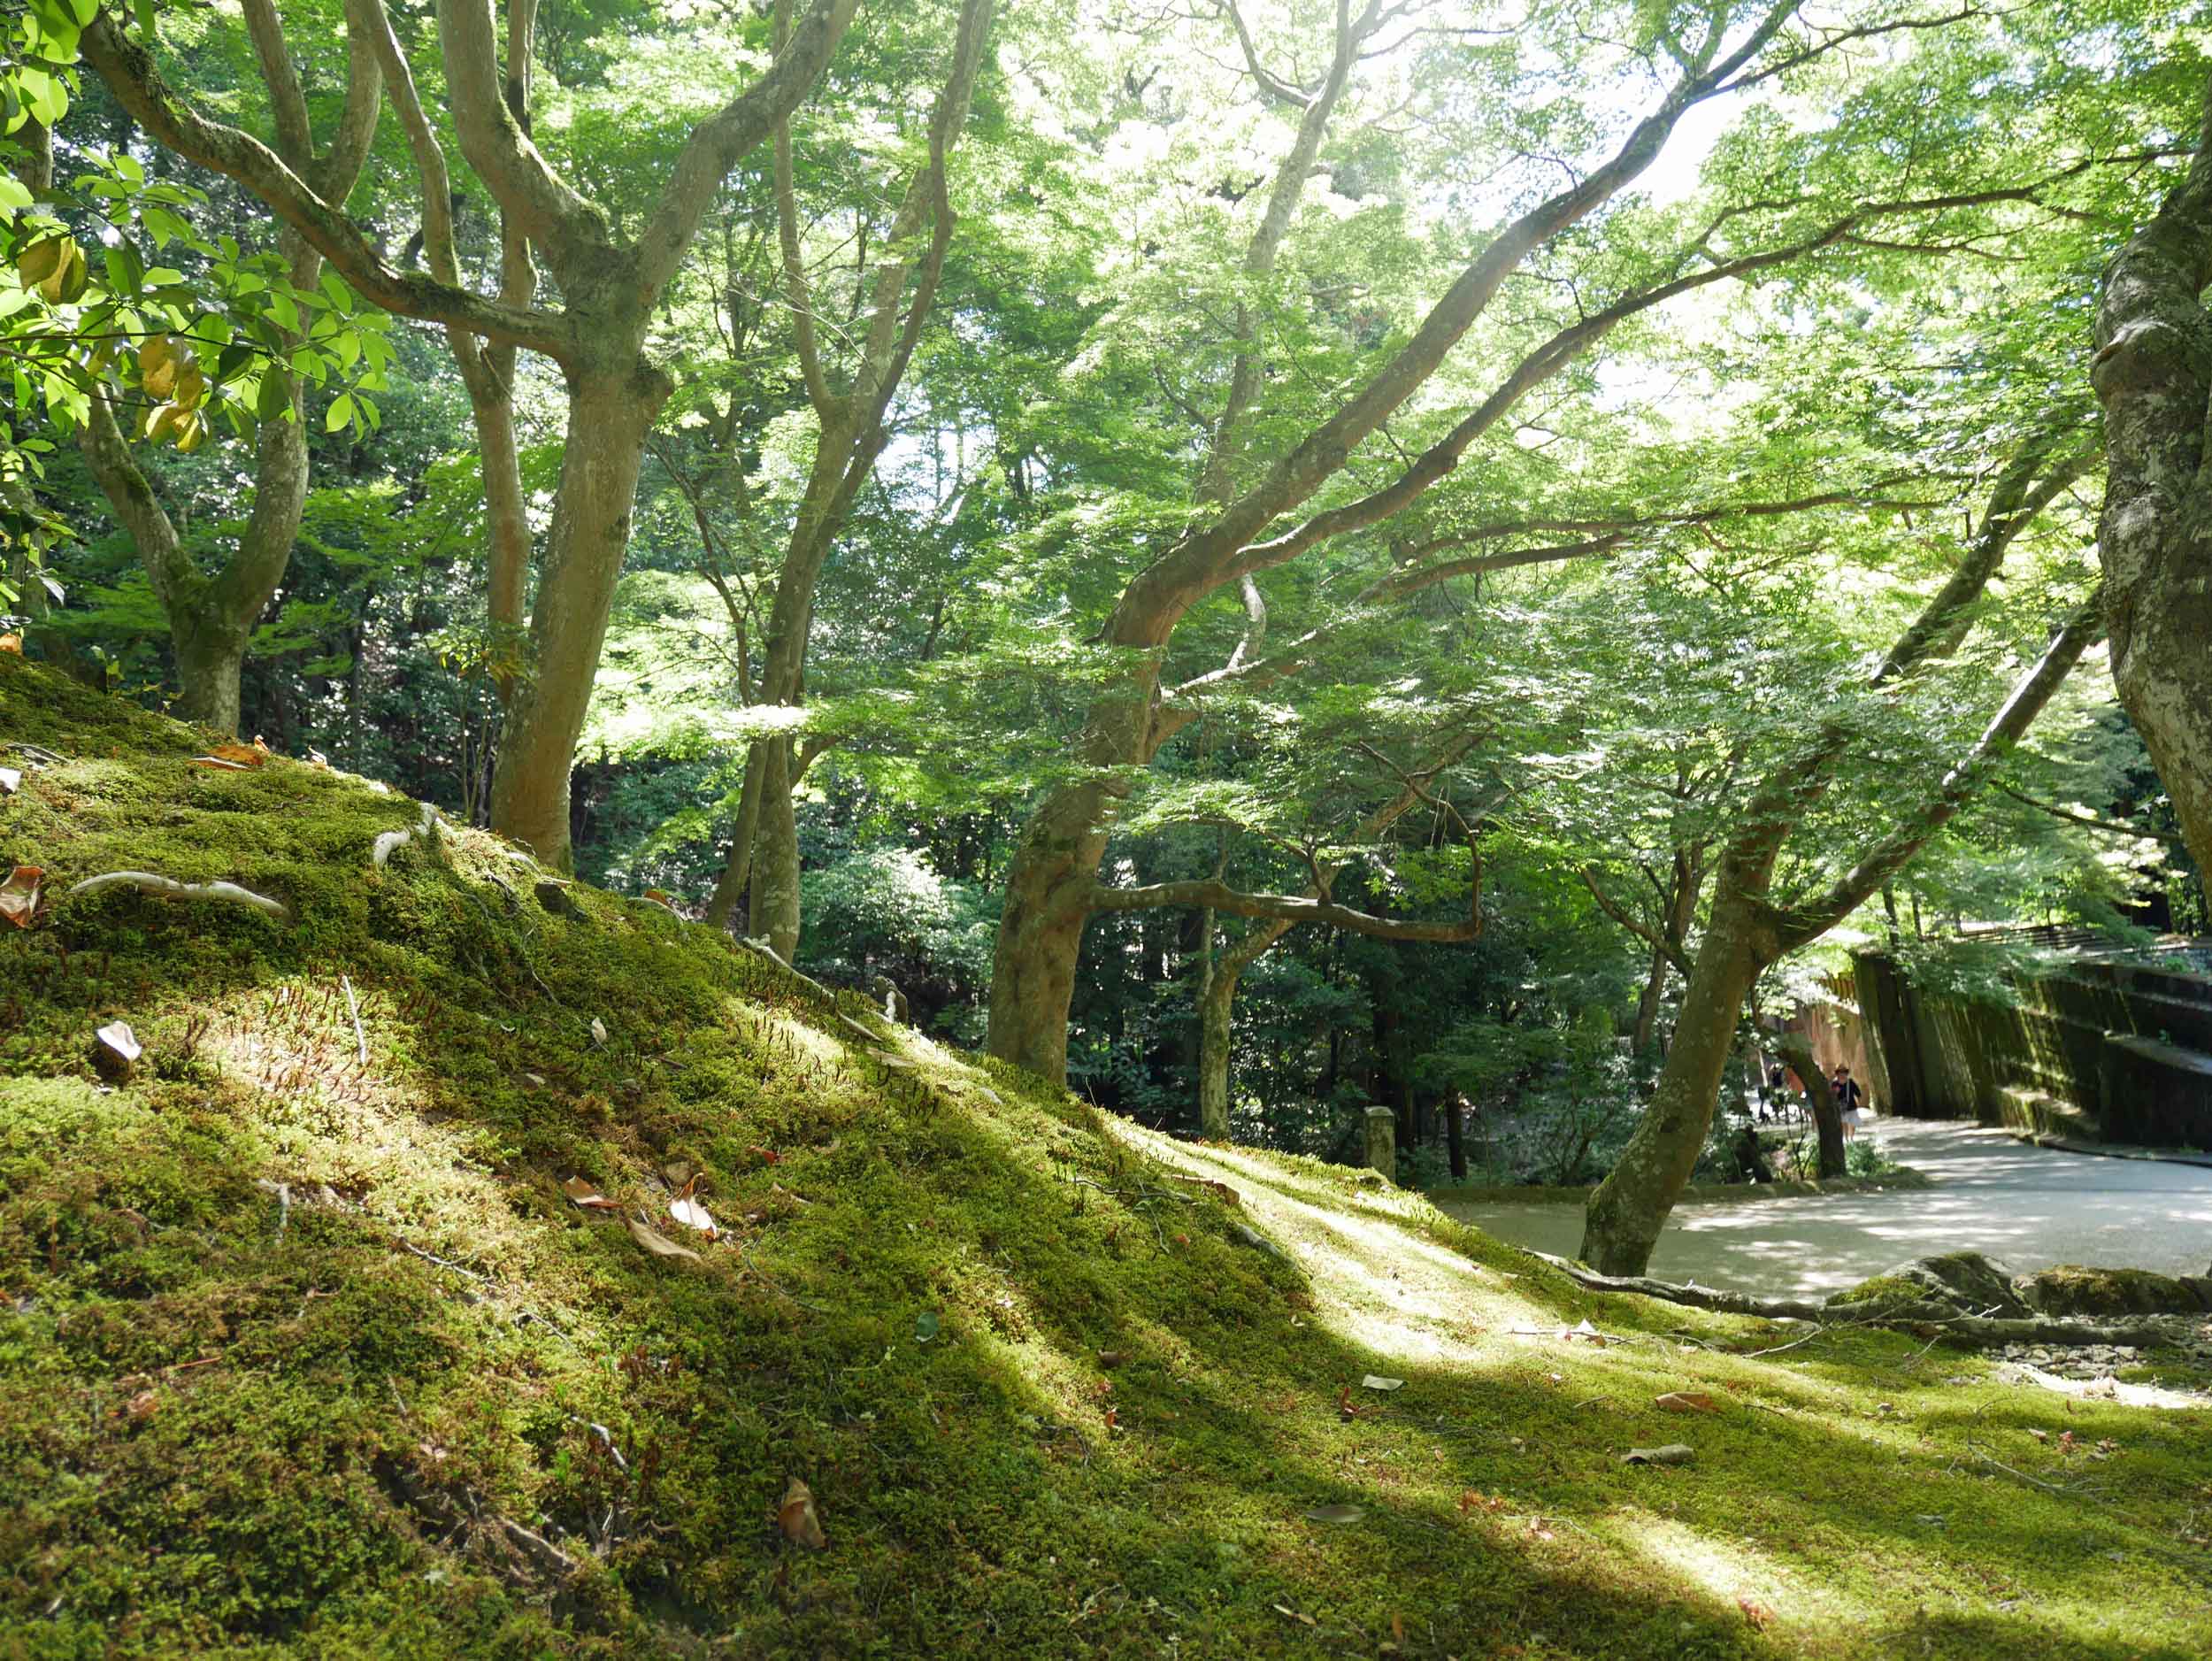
<point x="305" y="1350"/>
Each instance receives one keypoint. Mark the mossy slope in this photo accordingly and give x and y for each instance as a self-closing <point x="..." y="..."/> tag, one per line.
<point x="313" y="1357"/>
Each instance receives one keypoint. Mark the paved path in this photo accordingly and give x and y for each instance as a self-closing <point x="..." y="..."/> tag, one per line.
<point x="2027" y="1207"/>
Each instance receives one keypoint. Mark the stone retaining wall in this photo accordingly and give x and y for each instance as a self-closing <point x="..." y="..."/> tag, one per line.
<point x="2092" y="1048"/>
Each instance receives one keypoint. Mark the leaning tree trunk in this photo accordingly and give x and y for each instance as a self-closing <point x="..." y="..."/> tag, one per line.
<point x="1796" y="1050"/>
<point x="1631" y="1205"/>
<point x="609" y="411"/>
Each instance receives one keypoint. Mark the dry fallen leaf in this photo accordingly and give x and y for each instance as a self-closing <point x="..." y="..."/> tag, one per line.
<point x="18" y="895"/>
<point x="598" y="1031"/>
<point x="238" y="757"/>
<point x="1687" y="1402"/>
<point x="1374" y="1381"/>
<point x="11" y="643"/>
<point x="768" y="1156"/>
<point x="659" y="1245"/>
<point x="1288" y="1613"/>
<point x="1758" y="1613"/>
<point x="801" y="1524"/>
<point x="581" y="1191"/>
<point x="1336" y="1514"/>
<point x="1673" y="1453"/>
<point x="688" y="1211"/>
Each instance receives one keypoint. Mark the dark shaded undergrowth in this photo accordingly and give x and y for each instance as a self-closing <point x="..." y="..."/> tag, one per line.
<point x="302" y="1354"/>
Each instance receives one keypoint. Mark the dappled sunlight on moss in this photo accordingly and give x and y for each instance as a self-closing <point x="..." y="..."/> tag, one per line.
<point x="330" y="1411"/>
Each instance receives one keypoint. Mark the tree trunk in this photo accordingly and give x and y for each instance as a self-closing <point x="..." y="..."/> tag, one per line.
<point x="608" y="414"/>
<point x="1648" y="1004"/>
<point x="1455" y="1135"/>
<point x="1631" y="1205"/>
<point x="772" y="912"/>
<point x="210" y="655"/>
<point x="1798" y="1051"/>
<point x="1049" y="887"/>
<point x="2154" y="377"/>
<point x="1216" y="1004"/>
<point x="735" y="882"/>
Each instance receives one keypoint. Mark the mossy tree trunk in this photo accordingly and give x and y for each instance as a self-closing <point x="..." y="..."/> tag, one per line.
<point x="2153" y="374"/>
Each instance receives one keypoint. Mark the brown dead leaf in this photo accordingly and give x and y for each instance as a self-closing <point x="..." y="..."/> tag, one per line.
<point x="143" y="1406"/>
<point x="768" y="1156"/>
<point x="801" y="1524"/>
<point x="11" y="643"/>
<point x="1758" y="1613"/>
<point x="1687" y="1402"/>
<point x="18" y="895"/>
<point x="239" y="756"/>
<point x="659" y="1245"/>
<point x="584" y="1195"/>
<point x="1111" y="1358"/>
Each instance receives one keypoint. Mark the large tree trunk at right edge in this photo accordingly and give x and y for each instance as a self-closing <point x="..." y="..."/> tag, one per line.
<point x="2153" y="375"/>
<point x="608" y="414"/>
<point x="1631" y="1205"/>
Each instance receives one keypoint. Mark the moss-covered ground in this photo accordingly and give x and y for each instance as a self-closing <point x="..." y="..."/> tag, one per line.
<point x="302" y="1355"/>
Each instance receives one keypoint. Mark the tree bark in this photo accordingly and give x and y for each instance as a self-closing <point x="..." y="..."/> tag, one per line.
<point x="2153" y="375"/>
<point x="1796" y="1050"/>
<point x="1647" y="1003"/>
<point x="1216" y="1004"/>
<point x="610" y="412"/>
<point x="1630" y="1207"/>
<point x="772" y="912"/>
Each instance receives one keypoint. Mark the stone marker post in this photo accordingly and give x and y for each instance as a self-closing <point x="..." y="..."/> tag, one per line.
<point x="1382" y="1141"/>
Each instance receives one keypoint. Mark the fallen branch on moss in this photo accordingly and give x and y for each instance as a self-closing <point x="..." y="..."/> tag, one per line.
<point x="1982" y="1329"/>
<point x="169" y="888"/>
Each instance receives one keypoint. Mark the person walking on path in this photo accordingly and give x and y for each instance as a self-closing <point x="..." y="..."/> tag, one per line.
<point x="1850" y="1100"/>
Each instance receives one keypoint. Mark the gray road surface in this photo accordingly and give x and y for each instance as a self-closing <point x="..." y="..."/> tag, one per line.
<point x="2026" y="1207"/>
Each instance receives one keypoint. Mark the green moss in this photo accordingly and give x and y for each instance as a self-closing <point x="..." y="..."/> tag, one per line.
<point x="304" y="1355"/>
<point x="2070" y="1289"/>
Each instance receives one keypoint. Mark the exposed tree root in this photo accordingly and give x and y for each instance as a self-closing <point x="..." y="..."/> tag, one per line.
<point x="392" y="840"/>
<point x="169" y="888"/>
<point x="1977" y="1329"/>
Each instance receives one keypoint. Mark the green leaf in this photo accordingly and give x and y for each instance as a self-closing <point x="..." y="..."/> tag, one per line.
<point x="341" y="412"/>
<point x="926" y="1326"/>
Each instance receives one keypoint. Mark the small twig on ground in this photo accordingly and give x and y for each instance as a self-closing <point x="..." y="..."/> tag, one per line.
<point x="360" y="1039"/>
<point x="283" y="1192"/>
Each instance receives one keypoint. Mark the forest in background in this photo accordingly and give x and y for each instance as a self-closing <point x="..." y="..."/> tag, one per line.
<point x="1263" y="557"/>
